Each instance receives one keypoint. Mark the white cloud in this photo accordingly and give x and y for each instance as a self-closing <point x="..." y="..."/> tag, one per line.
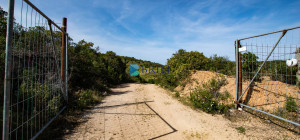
<point x="154" y="30"/>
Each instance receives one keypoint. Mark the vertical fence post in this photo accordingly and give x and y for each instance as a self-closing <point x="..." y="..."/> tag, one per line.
<point x="8" y="66"/>
<point x="67" y="41"/>
<point x="298" y="72"/>
<point x="238" y="71"/>
<point x="63" y="55"/>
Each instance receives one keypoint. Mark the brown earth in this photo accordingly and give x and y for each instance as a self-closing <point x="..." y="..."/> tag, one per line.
<point x="265" y="94"/>
<point x="146" y="111"/>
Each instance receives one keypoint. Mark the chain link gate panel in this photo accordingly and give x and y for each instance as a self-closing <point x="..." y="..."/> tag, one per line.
<point x="35" y="89"/>
<point x="268" y="76"/>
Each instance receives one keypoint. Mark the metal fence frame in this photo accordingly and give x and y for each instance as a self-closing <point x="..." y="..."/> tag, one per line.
<point x="240" y="92"/>
<point x="62" y="73"/>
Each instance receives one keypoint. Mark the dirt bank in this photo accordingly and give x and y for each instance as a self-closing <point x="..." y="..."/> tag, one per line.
<point x="265" y="94"/>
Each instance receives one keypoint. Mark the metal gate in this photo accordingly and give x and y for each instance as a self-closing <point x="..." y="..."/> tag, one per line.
<point x="35" y="90"/>
<point x="268" y="76"/>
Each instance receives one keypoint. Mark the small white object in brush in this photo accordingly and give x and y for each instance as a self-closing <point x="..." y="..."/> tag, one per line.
<point x="291" y="62"/>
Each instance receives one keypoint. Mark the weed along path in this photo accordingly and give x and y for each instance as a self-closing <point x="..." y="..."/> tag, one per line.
<point x="146" y="111"/>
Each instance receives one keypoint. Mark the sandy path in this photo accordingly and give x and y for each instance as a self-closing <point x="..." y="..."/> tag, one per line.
<point x="145" y="111"/>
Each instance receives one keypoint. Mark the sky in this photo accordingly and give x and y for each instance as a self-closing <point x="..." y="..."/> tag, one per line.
<point x="155" y="29"/>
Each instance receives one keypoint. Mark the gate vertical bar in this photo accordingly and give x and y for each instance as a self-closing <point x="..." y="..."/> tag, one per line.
<point x="67" y="40"/>
<point x="63" y="55"/>
<point x="298" y="72"/>
<point x="8" y="66"/>
<point x="240" y="70"/>
<point x="237" y="70"/>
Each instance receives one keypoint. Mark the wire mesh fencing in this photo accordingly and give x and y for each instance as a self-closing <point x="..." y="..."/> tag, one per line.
<point x="35" y="87"/>
<point x="268" y="74"/>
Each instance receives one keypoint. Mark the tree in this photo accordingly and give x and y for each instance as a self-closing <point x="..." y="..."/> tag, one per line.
<point x="249" y="64"/>
<point x="222" y="64"/>
<point x="193" y="59"/>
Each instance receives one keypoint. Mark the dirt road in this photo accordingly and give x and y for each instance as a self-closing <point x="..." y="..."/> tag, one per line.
<point x="146" y="111"/>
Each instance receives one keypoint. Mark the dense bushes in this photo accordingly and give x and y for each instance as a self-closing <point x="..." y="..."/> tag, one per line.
<point x="182" y="62"/>
<point x="276" y="69"/>
<point x="87" y="97"/>
<point x="222" y="65"/>
<point x="281" y="72"/>
<point x="94" y="70"/>
<point x="190" y="60"/>
<point x="209" y="99"/>
<point x="249" y="62"/>
<point x="249" y="65"/>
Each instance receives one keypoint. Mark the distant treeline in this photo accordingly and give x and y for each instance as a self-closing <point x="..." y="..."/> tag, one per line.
<point x="182" y="62"/>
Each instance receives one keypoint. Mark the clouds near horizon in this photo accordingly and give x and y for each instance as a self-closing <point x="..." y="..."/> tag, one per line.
<point x="155" y="29"/>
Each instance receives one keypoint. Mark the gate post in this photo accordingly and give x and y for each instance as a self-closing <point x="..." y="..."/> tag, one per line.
<point x="8" y="66"/>
<point x="238" y="61"/>
<point x="63" y="55"/>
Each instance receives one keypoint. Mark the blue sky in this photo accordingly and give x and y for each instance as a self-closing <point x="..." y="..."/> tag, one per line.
<point x="155" y="29"/>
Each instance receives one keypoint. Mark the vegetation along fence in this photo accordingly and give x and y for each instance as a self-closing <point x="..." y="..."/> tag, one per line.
<point x="268" y="76"/>
<point x="35" y="90"/>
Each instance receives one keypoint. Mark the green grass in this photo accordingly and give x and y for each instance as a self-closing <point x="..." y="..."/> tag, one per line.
<point x="241" y="129"/>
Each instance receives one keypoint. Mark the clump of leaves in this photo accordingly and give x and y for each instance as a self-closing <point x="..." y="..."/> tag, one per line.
<point x="241" y="129"/>
<point x="290" y="104"/>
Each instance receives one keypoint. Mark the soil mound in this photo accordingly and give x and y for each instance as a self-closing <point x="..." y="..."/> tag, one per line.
<point x="265" y="94"/>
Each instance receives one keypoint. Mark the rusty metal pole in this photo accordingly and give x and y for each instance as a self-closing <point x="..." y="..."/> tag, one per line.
<point x="238" y="72"/>
<point x="63" y="55"/>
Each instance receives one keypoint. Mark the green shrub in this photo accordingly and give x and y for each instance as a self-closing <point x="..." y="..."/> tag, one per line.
<point x="202" y="99"/>
<point x="290" y="104"/>
<point x="87" y="97"/>
<point x="55" y="103"/>
<point x="177" y="94"/>
<point x="152" y="81"/>
<point x="209" y="99"/>
<point x="281" y="72"/>
<point x="167" y="80"/>
<point x="215" y="84"/>
<point x="241" y="129"/>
